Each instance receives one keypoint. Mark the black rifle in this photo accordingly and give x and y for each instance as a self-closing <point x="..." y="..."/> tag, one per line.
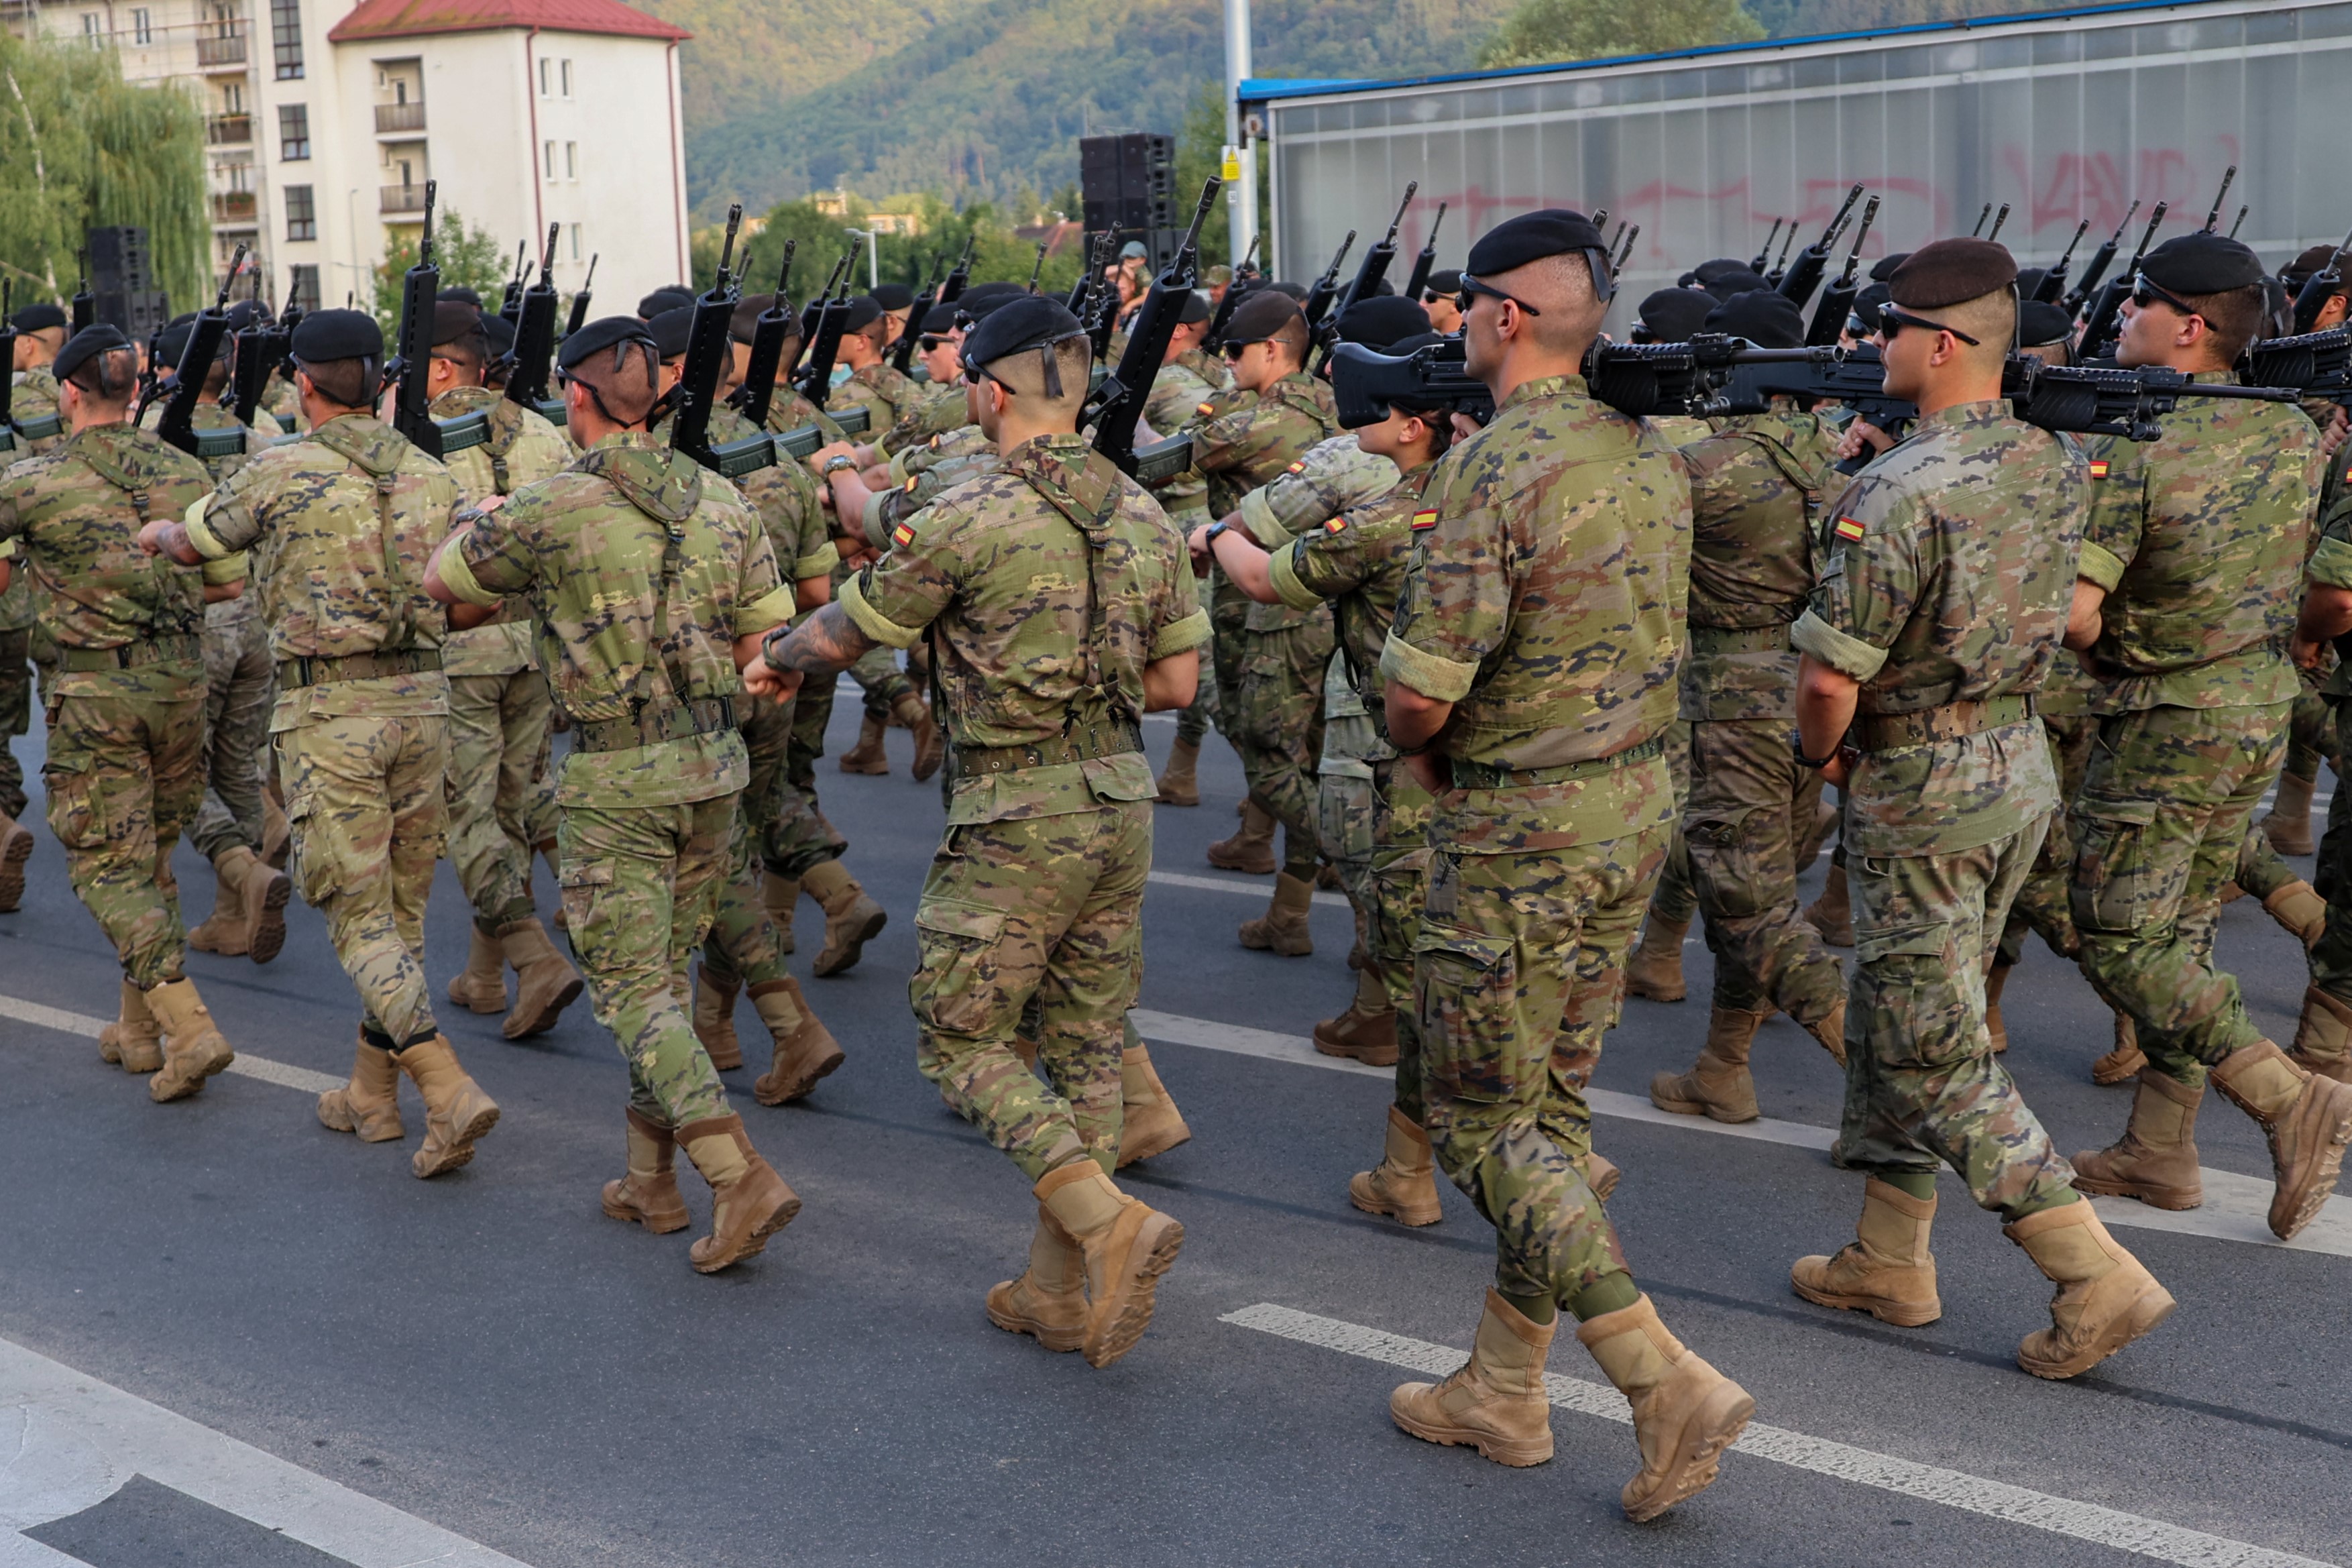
<point x="770" y="333"/>
<point x="1425" y="263"/>
<point x="1214" y="339"/>
<point x="534" y="344"/>
<point x="256" y="354"/>
<point x="1120" y="404"/>
<point x="1326" y="288"/>
<point x="85" y="303"/>
<point x="2100" y="400"/>
<point x="813" y="315"/>
<point x="1764" y="256"/>
<point x="511" y="307"/>
<point x="1103" y="317"/>
<point x="823" y="344"/>
<point x="957" y="276"/>
<point x="2317" y="364"/>
<point x="2101" y="259"/>
<point x="2240" y="222"/>
<point x="1037" y="269"/>
<point x="1978" y="230"/>
<point x="1999" y="219"/>
<point x="1371" y="273"/>
<point x="284" y="341"/>
<point x="1365" y="382"/>
<point x="708" y="352"/>
<point x="1837" y="300"/>
<point x="579" y="315"/>
<point x="412" y="361"/>
<point x="2316" y="289"/>
<point x="2213" y="217"/>
<point x="2053" y="282"/>
<point x="2099" y="326"/>
<point x="1632" y="231"/>
<point x="902" y="352"/>
<point x="206" y="335"/>
<point x="7" y="358"/>
<point x="1812" y="263"/>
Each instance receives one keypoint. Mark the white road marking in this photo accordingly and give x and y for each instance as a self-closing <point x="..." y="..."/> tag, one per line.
<point x="2236" y="1207"/>
<point x="1841" y="1461"/>
<point x="1259" y="888"/>
<point x="73" y="1441"/>
<point x="283" y="1074"/>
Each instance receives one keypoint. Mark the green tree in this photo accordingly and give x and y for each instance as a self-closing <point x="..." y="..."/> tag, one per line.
<point x="468" y="258"/>
<point x="80" y="148"/>
<point x="1543" y="32"/>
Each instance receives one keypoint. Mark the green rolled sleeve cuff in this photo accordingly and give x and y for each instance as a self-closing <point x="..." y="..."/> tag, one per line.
<point x="2331" y="564"/>
<point x="1439" y="679"/>
<point x="871" y="621"/>
<point x="818" y="563"/>
<point x="459" y="579"/>
<point x="1849" y="656"/>
<point x="1258" y="517"/>
<point x="1182" y="636"/>
<point x="207" y="544"/>
<point x="772" y="609"/>
<point x="1282" y="571"/>
<point x="2101" y="565"/>
<point x="228" y="569"/>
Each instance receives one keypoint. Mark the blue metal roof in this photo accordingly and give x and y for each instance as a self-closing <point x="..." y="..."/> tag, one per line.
<point x="1263" y="90"/>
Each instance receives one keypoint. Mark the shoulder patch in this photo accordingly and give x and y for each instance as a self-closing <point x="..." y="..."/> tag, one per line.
<point x="2099" y="467"/>
<point x="1335" y="525"/>
<point x="912" y="481"/>
<point x="1848" y="529"/>
<point x="902" y="535"/>
<point x="1425" y="518"/>
<point x="1297" y="467"/>
<point x="1205" y="409"/>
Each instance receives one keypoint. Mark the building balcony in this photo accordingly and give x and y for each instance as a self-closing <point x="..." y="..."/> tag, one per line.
<point x="403" y="199"/>
<point x="234" y="207"/>
<point x="228" y="130"/>
<point x="214" y="53"/>
<point x="390" y="117"/>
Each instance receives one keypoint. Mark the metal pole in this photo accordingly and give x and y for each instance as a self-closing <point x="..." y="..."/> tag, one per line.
<point x="1241" y="158"/>
<point x="873" y="265"/>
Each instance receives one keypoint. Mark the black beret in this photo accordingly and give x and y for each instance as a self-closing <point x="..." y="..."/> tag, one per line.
<point x="2030" y="279"/>
<point x="326" y="336"/>
<point x="452" y="320"/>
<point x="863" y="312"/>
<point x="1531" y="237"/>
<point x="1446" y="280"/>
<point x="1261" y="314"/>
<point x="1950" y="272"/>
<point x="499" y="333"/>
<point x="987" y="305"/>
<point x="247" y="313"/>
<point x="1672" y="315"/>
<point x="1882" y="270"/>
<point x="1727" y="285"/>
<point x="1196" y="308"/>
<point x="1866" y="303"/>
<point x="668" y="298"/>
<point x="2308" y="262"/>
<point x="1412" y="341"/>
<point x="1707" y="272"/>
<point x="2040" y="324"/>
<point x="94" y="339"/>
<point x="460" y="296"/>
<point x="670" y="330"/>
<point x="1295" y="292"/>
<point x="2202" y="264"/>
<point x="171" y="345"/>
<point x="602" y="333"/>
<point x="941" y="319"/>
<point x="38" y="318"/>
<point x="182" y="320"/>
<point x="1764" y="317"/>
<point x="990" y="292"/>
<point x="893" y="296"/>
<point x="744" y="324"/>
<point x="1380" y="320"/>
<point x="1031" y="321"/>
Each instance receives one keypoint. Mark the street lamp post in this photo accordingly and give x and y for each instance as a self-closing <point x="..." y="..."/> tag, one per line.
<point x="873" y="261"/>
<point x="1241" y="158"/>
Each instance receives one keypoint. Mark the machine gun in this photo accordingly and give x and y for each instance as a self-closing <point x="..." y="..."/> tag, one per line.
<point x="2314" y="364"/>
<point x="1326" y="288"/>
<point x="579" y="315"/>
<point x="902" y="352"/>
<point x="2316" y="289"/>
<point x="1371" y="273"/>
<point x="1427" y="262"/>
<point x="1812" y="263"/>
<point x="708" y="350"/>
<point x="206" y="335"/>
<point x="410" y="369"/>
<point x="2053" y="282"/>
<point x="2099" y="327"/>
<point x="2100" y="400"/>
<point x="770" y="333"/>
<point x="1120" y="404"/>
<point x="534" y="344"/>
<point x="1214" y="339"/>
<point x="1837" y="300"/>
<point x="823" y="344"/>
<point x="2101" y="259"/>
<point x="1365" y="382"/>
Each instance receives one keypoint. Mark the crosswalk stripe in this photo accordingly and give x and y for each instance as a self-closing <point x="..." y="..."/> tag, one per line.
<point x="283" y="1074"/>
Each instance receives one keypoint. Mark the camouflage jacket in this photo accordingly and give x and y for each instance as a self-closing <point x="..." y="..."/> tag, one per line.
<point x="642" y="571"/>
<point x="1333" y="476"/>
<point x="1949" y="578"/>
<point x="35" y="397"/>
<point x="69" y="523"/>
<point x="1545" y="599"/>
<point x="949" y="447"/>
<point x="1177" y="396"/>
<point x="929" y="410"/>
<point x="210" y="414"/>
<point x="786" y="496"/>
<point x="2197" y="537"/>
<point x="1241" y="450"/>
<point x="881" y="389"/>
<point x="1757" y="484"/>
<point x="1211" y="370"/>
<point x="789" y="411"/>
<point x="524" y="449"/>
<point x="341" y="524"/>
<point x="1356" y="563"/>
<point x="1044" y="589"/>
<point x="2330" y="561"/>
<point x="895" y="505"/>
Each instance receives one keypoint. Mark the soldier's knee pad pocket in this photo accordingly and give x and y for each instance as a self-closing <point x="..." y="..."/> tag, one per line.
<point x="1466" y="991"/>
<point x="954" y="990"/>
<point x="2114" y="885"/>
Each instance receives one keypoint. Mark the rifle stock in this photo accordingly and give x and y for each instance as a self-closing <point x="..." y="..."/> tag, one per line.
<point x="1120" y="403"/>
<point x="204" y="338"/>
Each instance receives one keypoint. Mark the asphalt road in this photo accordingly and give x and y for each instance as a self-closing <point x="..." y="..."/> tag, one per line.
<point x="488" y="1354"/>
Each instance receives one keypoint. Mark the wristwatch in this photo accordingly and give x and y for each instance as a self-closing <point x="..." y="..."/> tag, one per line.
<point x="1209" y="540"/>
<point x="837" y="462"/>
<point x="1797" y="750"/>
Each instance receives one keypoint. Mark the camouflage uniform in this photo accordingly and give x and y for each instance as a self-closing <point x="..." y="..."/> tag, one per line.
<point x="789" y="411"/>
<point x="1545" y="600"/>
<point x="2330" y="565"/>
<point x="2045" y="903"/>
<point x="1043" y="589"/>
<point x="1754" y="486"/>
<point x="881" y="389"/>
<point x="2198" y="539"/>
<point x="501" y="801"/>
<point x="35" y="397"/>
<point x="927" y="412"/>
<point x="1944" y="593"/>
<point x="1182" y="392"/>
<point x="125" y="759"/>
<point x="641" y="573"/>
<point x="341" y="524"/>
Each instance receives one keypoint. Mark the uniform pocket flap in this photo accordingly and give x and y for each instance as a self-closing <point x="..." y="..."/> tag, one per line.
<point x="587" y="875"/>
<point x="1483" y="953"/>
<point x="1930" y="939"/>
<point x="976" y="921"/>
<point x="2138" y="812"/>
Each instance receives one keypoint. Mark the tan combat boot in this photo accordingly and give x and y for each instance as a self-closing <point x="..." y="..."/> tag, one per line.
<point x="545" y="982"/>
<point x="931" y="746"/>
<point x="1367" y="1030"/>
<point x="806" y="1049"/>
<point x="2106" y="1299"/>
<point x="1886" y="1271"/>
<point x="851" y="919"/>
<point x="1251" y="849"/>
<point x="714" y="1017"/>
<point x="1496" y="1403"/>
<point x="456" y="1112"/>
<point x="1598" y="1172"/>
<point x="2289" y="823"/>
<point x="369" y="1104"/>
<point x="1283" y="927"/>
<point x="134" y="1041"/>
<point x="749" y="1202"/>
<point x="1829" y="1032"/>
<point x="2156" y="1159"/>
<point x="15" y="848"/>
<point x="2300" y="911"/>
<point x="223" y="931"/>
<point x="1048" y="1302"/>
<point x="481" y="986"/>
<point x="193" y="1049"/>
<point x="1403" y="1185"/>
<point x="648" y="1194"/>
<point x="264" y="894"/>
<point x="2308" y="1119"/>
<point x="1831" y="914"/>
<point x="1149" y="1123"/>
<point x="1128" y="1246"/>
<point x="2323" y="1037"/>
<point x="1180" y="781"/>
<point x="868" y="756"/>
<point x="1996" y="982"/>
<point x="1654" y="968"/>
<point x="2125" y="1059"/>
<point x="782" y="895"/>
<point x="1686" y="1414"/>
<point x="1718" y="1086"/>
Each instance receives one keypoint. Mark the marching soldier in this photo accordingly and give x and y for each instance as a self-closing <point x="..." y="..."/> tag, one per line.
<point x="40" y="333"/>
<point x="873" y="380"/>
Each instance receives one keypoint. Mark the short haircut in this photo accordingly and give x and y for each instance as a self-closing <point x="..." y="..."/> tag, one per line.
<point x="1990" y="318"/>
<point x="2234" y="317"/>
<point x="1560" y="286"/>
<point x="624" y="380"/>
<point x="1295" y="336"/>
<point x="1439" y="421"/>
<point x="109" y="375"/>
<point x="347" y="383"/>
<point x="1024" y="375"/>
<point x="471" y="350"/>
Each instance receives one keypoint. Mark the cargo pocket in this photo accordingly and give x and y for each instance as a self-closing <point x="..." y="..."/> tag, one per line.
<point x="954" y="990"/>
<point x="76" y="805"/>
<point x="579" y="885"/>
<point x="2115" y="882"/>
<point x="317" y="873"/>
<point x="1729" y="859"/>
<point x="1466" y="987"/>
<point x="1914" y="1014"/>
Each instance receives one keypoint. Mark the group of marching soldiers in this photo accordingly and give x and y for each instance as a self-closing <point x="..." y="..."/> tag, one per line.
<point x="1513" y="682"/>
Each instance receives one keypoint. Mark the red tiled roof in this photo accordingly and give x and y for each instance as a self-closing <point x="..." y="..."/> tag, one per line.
<point x="412" y="19"/>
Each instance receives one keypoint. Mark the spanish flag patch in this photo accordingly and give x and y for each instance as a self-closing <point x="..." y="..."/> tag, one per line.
<point x="1335" y="525"/>
<point x="2099" y="467"/>
<point x="1848" y="529"/>
<point x="1421" y="519"/>
<point x="1205" y="409"/>
<point x="902" y="535"/>
<point x="1297" y="467"/>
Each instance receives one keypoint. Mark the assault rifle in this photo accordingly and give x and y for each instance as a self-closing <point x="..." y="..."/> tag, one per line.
<point x="7" y="363"/>
<point x="2101" y="259"/>
<point x="1780" y="267"/>
<point x="1764" y="256"/>
<point x="579" y="315"/>
<point x="1427" y="262"/>
<point x="2313" y="297"/>
<point x="2213" y="216"/>
<point x="1326" y="288"/>
<point x="1978" y="232"/>
<point x="2315" y="364"/>
<point x="1812" y="263"/>
<point x="822" y="344"/>
<point x="1999" y="219"/>
<point x="1365" y="384"/>
<point x="1213" y="339"/>
<point x="958" y="276"/>
<point x="1371" y="273"/>
<point x="410" y="369"/>
<point x="1837" y="300"/>
<point x="511" y="307"/>
<point x="1120" y="404"/>
<point x="708" y="350"/>
<point x="534" y="344"/>
<point x="1102" y="317"/>
<point x="2100" y="400"/>
<point x="258" y="353"/>
<point x="902" y="352"/>
<point x="282" y="343"/>
<point x="2053" y="282"/>
<point x="1089" y="277"/>
<point x="770" y="333"/>
<point x="206" y="335"/>
<point x="2099" y="327"/>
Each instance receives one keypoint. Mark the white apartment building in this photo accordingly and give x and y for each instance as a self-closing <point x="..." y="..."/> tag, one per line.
<point x="325" y="119"/>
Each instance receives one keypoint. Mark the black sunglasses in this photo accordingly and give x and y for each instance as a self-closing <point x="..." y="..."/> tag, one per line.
<point x="1472" y="286"/>
<point x="2145" y="293"/>
<point x="930" y="342"/>
<point x="1233" y="351"/>
<point x="1892" y="321"/>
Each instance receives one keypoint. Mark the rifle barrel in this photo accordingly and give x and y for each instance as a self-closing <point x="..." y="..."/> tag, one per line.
<point x="2213" y="217"/>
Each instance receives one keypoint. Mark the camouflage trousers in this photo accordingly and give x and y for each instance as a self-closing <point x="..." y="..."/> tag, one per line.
<point x="1344" y="806"/>
<point x="364" y="799"/>
<point x="802" y="837"/>
<point x="2044" y="905"/>
<point x="639" y="882"/>
<point x="877" y="671"/>
<point x="1049" y="907"/>
<point x="744" y="942"/>
<point x="2157" y="830"/>
<point x="1747" y="814"/>
<point x="2331" y="960"/>
<point x="16" y="714"/>
<point x="1676" y="899"/>
<point x="1192" y="723"/>
<point x="502" y="798"/>
<point x="1397" y="884"/>
<point x="1922" y="1084"/>
<point x="1516" y="979"/>
<point x="240" y="687"/>
<point x="124" y="773"/>
<point x="1270" y="704"/>
<point x="2310" y="737"/>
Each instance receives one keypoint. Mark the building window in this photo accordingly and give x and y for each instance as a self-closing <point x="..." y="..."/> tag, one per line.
<point x="572" y="160"/>
<point x="294" y="132"/>
<point x="90" y="31"/>
<point x="301" y="216"/>
<point x="286" y="37"/>
<point x="549" y="152"/>
<point x="233" y="98"/>
<point x="142" y="30"/>
<point x="303" y="294"/>
<point x="544" y="67"/>
<point x="567" y="79"/>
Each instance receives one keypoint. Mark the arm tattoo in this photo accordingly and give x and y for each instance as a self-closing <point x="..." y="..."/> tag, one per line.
<point x="826" y="643"/>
